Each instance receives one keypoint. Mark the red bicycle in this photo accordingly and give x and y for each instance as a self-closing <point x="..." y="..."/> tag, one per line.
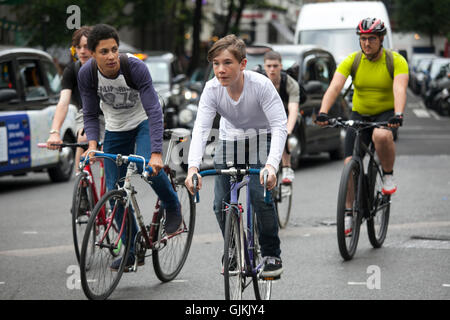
<point x="85" y="194"/>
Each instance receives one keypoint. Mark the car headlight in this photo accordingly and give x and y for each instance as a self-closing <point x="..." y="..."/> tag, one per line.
<point x="188" y="95"/>
<point x="185" y="116"/>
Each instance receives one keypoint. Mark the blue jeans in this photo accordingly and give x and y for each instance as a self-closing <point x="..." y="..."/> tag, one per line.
<point x="136" y="141"/>
<point x="265" y="213"/>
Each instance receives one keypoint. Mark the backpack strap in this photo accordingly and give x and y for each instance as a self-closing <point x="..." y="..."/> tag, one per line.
<point x="355" y="64"/>
<point x="77" y="66"/>
<point x="283" y="84"/>
<point x="124" y="66"/>
<point x="390" y="62"/>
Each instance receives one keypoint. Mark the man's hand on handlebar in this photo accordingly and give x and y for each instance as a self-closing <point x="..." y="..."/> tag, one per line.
<point x="189" y="181"/>
<point x="322" y="119"/>
<point x="272" y="177"/>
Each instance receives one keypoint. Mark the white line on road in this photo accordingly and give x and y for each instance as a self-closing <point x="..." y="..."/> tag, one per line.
<point x="447" y="285"/>
<point x="421" y="113"/>
<point x="2" y="282"/>
<point x="434" y="114"/>
<point x="352" y="283"/>
<point x="30" y="232"/>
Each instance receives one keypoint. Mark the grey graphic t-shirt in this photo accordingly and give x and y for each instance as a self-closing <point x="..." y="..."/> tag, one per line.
<point x="124" y="108"/>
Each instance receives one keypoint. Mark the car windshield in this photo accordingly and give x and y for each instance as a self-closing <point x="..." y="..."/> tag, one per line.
<point x="253" y="60"/>
<point x="159" y="70"/>
<point x="335" y="41"/>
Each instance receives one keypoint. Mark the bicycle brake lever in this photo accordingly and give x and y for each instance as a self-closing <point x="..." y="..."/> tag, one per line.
<point x="195" y="183"/>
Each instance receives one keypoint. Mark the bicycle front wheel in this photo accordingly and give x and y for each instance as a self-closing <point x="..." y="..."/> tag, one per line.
<point x="233" y="262"/>
<point x="282" y="198"/>
<point x="171" y="252"/>
<point x="349" y="215"/>
<point x="102" y="245"/>
<point x="82" y="206"/>
<point x="262" y="287"/>
<point x="380" y="205"/>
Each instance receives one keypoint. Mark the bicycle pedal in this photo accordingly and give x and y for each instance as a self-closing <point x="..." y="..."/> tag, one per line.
<point x="270" y="278"/>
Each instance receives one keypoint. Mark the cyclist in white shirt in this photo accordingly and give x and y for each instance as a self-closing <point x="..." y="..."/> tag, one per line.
<point x="252" y="114"/>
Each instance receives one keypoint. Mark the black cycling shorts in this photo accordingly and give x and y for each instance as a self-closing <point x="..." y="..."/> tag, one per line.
<point x="366" y="134"/>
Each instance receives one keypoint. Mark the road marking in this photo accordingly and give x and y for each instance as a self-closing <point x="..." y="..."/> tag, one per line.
<point x="421" y="113"/>
<point x="30" y="232"/>
<point x="446" y="285"/>
<point x="434" y="114"/>
<point x="2" y="282"/>
<point x="351" y="283"/>
<point x="37" y="251"/>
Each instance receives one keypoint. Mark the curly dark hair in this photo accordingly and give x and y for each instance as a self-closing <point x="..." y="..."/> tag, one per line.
<point x="101" y="32"/>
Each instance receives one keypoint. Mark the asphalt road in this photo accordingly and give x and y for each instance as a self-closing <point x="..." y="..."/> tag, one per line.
<point x="37" y="260"/>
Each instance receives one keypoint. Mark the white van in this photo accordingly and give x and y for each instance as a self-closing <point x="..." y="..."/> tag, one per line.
<point x="332" y="25"/>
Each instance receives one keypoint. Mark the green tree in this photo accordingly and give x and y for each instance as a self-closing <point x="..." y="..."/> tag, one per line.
<point x="46" y="20"/>
<point x="431" y="17"/>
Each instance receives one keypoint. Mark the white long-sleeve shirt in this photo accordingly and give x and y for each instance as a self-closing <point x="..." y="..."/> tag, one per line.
<point x="258" y="110"/>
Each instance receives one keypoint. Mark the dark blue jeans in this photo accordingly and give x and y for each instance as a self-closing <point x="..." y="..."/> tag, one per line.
<point x="136" y="141"/>
<point x="265" y="213"/>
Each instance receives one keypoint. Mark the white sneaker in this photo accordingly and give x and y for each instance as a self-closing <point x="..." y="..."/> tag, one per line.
<point x="389" y="186"/>
<point x="348" y="223"/>
<point x="287" y="175"/>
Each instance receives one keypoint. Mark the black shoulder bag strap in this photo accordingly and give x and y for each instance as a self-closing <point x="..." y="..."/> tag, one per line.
<point x="124" y="66"/>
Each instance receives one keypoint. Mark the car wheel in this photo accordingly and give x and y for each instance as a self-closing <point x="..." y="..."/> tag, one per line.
<point x="63" y="171"/>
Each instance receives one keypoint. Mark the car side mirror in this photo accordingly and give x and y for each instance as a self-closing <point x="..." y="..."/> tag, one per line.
<point x="179" y="78"/>
<point x="8" y="95"/>
<point x="313" y="87"/>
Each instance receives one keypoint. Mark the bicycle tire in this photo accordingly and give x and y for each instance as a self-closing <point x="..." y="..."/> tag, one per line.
<point x="348" y="243"/>
<point x="377" y="224"/>
<point x="81" y="211"/>
<point x="233" y="262"/>
<point x="262" y="287"/>
<point x="282" y="197"/>
<point x="169" y="260"/>
<point x="93" y="266"/>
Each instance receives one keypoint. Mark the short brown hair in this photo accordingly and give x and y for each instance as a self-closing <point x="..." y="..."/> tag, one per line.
<point x="83" y="31"/>
<point x="231" y="43"/>
<point x="272" y="55"/>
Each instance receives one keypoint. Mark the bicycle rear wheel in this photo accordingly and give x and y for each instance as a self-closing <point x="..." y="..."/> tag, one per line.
<point x="101" y="246"/>
<point x="380" y="204"/>
<point x="233" y="262"/>
<point x="82" y="206"/>
<point x="282" y="197"/>
<point x="171" y="253"/>
<point x="262" y="287"/>
<point x="349" y="215"/>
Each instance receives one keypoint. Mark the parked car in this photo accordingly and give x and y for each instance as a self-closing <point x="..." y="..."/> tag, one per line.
<point x="414" y="68"/>
<point x="434" y="71"/>
<point x="314" y="68"/>
<point x="29" y="91"/>
<point x="438" y="94"/>
<point x="423" y="69"/>
<point x="170" y="83"/>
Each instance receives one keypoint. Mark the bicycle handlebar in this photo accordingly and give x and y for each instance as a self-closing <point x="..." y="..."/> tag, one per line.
<point x="83" y="145"/>
<point x="120" y="159"/>
<point x="231" y="172"/>
<point x="356" y="124"/>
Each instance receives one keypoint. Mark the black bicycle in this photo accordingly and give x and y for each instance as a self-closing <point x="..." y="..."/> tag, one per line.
<point x="360" y="196"/>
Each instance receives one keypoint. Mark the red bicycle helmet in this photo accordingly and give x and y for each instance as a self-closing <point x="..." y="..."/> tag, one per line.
<point x="371" y="25"/>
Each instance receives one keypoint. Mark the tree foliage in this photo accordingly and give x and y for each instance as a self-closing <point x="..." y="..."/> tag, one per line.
<point x="431" y="17"/>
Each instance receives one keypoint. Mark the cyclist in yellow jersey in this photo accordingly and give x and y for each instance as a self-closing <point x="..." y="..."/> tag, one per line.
<point x="377" y="96"/>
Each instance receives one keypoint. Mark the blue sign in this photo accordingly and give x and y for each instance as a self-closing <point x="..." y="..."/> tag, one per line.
<point x="15" y="149"/>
